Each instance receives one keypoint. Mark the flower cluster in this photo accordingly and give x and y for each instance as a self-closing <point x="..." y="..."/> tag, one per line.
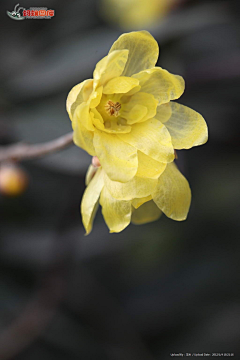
<point x="125" y="116"/>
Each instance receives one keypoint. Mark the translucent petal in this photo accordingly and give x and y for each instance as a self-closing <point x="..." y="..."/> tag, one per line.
<point x="164" y="112"/>
<point x="133" y="91"/>
<point x="121" y="84"/>
<point x="143" y="51"/>
<point x="90" y="200"/>
<point x="139" y="201"/>
<point x="118" y="159"/>
<point x="114" y="126"/>
<point x="163" y="85"/>
<point x="148" y="167"/>
<point x="79" y="93"/>
<point x="152" y="138"/>
<point x="84" y="139"/>
<point x="82" y="116"/>
<point x="116" y="213"/>
<point x="172" y="194"/>
<point x="146" y="213"/>
<point x="132" y="109"/>
<point x="135" y="188"/>
<point x="90" y="174"/>
<point x="186" y="127"/>
<point x="95" y="97"/>
<point x="110" y="66"/>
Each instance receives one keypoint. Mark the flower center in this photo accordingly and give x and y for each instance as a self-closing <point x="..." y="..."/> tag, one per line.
<point x="112" y="108"/>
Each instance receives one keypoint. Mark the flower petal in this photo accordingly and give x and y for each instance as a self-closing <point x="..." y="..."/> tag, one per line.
<point x="143" y="51"/>
<point x="110" y="66"/>
<point x="79" y="94"/>
<point x="90" y="200"/>
<point x="139" y="201"/>
<point x="137" y="187"/>
<point x="163" y="85"/>
<point x="152" y="138"/>
<point x="148" y="167"/>
<point x="146" y="213"/>
<point x="118" y="159"/>
<point x="120" y="85"/>
<point x="82" y="116"/>
<point x="115" y="126"/>
<point x="84" y="139"/>
<point x="116" y="213"/>
<point x="186" y="127"/>
<point x="164" y="112"/>
<point x="132" y="109"/>
<point x="95" y="97"/>
<point x="172" y="193"/>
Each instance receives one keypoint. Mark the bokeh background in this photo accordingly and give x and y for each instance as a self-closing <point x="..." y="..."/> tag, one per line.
<point x="152" y="290"/>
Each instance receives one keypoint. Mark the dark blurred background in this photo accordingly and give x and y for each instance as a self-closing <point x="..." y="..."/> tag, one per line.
<point x="152" y="290"/>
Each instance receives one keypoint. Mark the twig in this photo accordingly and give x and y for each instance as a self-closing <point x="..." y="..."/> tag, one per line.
<point x="24" y="151"/>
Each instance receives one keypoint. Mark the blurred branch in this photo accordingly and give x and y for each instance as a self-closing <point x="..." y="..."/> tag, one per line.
<point x="24" y="151"/>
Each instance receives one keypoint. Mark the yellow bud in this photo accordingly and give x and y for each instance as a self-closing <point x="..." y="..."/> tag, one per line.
<point x="13" y="180"/>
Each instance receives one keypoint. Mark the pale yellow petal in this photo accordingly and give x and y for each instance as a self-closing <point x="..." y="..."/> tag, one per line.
<point x="84" y="139"/>
<point x="118" y="159"/>
<point x="120" y="85"/>
<point x="148" y="212"/>
<point x="148" y="167"/>
<point x="110" y="66"/>
<point x="152" y="138"/>
<point x="137" y="187"/>
<point x="143" y="51"/>
<point x="90" y="174"/>
<point x="111" y="127"/>
<point x="116" y="213"/>
<point x="95" y="97"/>
<point x="79" y="94"/>
<point x="133" y="91"/>
<point x="186" y="127"/>
<point x="164" y="112"/>
<point x="90" y="200"/>
<point x="134" y="109"/>
<point x="172" y="193"/>
<point x="82" y="116"/>
<point x="139" y="201"/>
<point x="163" y="85"/>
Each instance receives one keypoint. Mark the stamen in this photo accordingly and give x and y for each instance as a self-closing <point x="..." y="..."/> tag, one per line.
<point x="113" y="108"/>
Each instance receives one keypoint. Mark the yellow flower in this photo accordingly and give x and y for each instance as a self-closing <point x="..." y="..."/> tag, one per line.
<point x="126" y="118"/>
<point x="140" y="200"/>
<point x="124" y="115"/>
<point x="135" y="14"/>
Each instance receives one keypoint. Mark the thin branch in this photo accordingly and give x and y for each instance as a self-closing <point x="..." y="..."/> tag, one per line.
<point x="24" y="151"/>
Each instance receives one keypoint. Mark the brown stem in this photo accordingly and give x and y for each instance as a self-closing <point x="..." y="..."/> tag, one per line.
<point x="24" y="151"/>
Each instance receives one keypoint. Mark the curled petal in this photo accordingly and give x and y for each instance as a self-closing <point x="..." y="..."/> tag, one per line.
<point x="90" y="200"/>
<point x="79" y="94"/>
<point x="82" y="117"/>
<point x="116" y="213"/>
<point x="148" y="167"/>
<point x="186" y="127"/>
<point x="110" y="66"/>
<point x="121" y="84"/>
<point x="152" y="138"/>
<point x="172" y="194"/>
<point x="137" y="187"/>
<point x="139" y="201"/>
<point x="146" y="213"/>
<point x="163" y="85"/>
<point x="140" y="107"/>
<point x="143" y="51"/>
<point x="118" y="159"/>
<point x="164" y="112"/>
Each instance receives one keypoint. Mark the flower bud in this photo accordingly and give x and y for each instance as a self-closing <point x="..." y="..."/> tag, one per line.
<point x="13" y="180"/>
